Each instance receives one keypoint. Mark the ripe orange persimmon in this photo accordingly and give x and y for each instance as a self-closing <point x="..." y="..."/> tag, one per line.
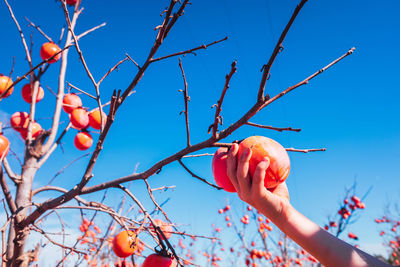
<point x="48" y="50"/>
<point x="165" y="227"/>
<point x="219" y="170"/>
<point x="124" y="244"/>
<point x="71" y="102"/>
<point x="261" y="147"/>
<point x="5" y="82"/>
<point x="83" y="140"/>
<point x="156" y="260"/>
<point x="95" y="119"/>
<point x="4" y="146"/>
<point x="19" y="121"/>
<point x="36" y="130"/>
<point x="27" y="93"/>
<point x="79" y="118"/>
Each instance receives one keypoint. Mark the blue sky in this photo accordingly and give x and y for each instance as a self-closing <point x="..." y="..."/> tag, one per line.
<point x="352" y="109"/>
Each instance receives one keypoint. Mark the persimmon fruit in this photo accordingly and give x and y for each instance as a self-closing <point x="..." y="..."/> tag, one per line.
<point x="261" y="147"/>
<point x="4" y="146"/>
<point x="124" y="243"/>
<point x="5" y="82"/>
<point x="219" y="166"/>
<point x="95" y="119"/>
<point x="79" y="118"/>
<point x="71" y="102"/>
<point x="156" y="260"/>
<point x="19" y="121"/>
<point x="36" y="130"/>
<point x="27" y="91"/>
<point x="48" y="50"/>
<point x="83" y="140"/>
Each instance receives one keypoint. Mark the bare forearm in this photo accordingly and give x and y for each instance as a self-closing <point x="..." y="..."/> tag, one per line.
<point x="328" y="249"/>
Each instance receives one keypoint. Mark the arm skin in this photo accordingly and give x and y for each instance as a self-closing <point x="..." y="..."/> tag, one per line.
<point x="329" y="250"/>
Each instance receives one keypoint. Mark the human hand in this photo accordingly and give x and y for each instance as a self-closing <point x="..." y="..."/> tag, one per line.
<point x="274" y="203"/>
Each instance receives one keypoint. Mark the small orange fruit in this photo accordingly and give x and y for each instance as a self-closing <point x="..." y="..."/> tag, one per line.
<point x="5" y="82"/>
<point x="19" y="121"/>
<point x="83" y="140"/>
<point x="124" y="244"/>
<point x="71" y="102"/>
<point x="36" y="130"/>
<point x="4" y="146"/>
<point x="27" y="93"/>
<point x="95" y="119"/>
<point x="48" y="50"/>
<point x="79" y="118"/>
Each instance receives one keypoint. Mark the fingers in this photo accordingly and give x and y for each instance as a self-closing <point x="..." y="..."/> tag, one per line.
<point x="231" y="165"/>
<point x="242" y="171"/>
<point x="259" y="175"/>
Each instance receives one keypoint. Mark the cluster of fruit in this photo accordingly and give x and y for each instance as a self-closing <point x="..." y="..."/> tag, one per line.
<point x="20" y="120"/>
<point x="80" y="118"/>
<point x="125" y="243"/>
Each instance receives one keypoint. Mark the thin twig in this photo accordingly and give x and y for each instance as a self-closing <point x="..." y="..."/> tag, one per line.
<point x="217" y="117"/>
<point x="112" y="69"/>
<point x="82" y="91"/>
<point x="291" y="149"/>
<point x="191" y="51"/>
<point x="196" y="176"/>
<point x="186" y="98"/>
<point x="40" y="30"/>
<point x="278" y="48"/>
<point x="133" y="61"/>
<point x="273" y="128"/>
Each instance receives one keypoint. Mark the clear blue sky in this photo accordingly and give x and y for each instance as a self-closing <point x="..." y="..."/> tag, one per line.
<point x="352" y="109"/>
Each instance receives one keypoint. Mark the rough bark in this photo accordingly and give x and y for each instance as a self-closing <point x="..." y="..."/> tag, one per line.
<point x="23" y="199"/>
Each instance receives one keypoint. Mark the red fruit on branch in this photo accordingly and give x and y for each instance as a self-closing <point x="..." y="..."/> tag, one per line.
<point x="71" y="2"/>
<point x="71" y="102"/>
<point x="83" y="140"/>
<point x="36" y="130"/>
<point x="219" y="168"/>
<point x="124" y="244"/>
<point x="79" y="118"/>
<point x="48" y="50"/>
<point x="355" y="199"/>
<point x="27" y="91"/>
<point x="156" y="260"/>
<point x="262" y="147"/>
<point x="95" y="119"/>
<point x="4" y="146"/>
<point x="5" y="82"/>
<point x="19" y="121"/>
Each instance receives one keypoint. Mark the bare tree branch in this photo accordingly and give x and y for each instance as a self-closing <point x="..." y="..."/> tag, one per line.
<point x="278" y="48"/>
<point x="273" y="128"/>
<point x="190" y="51"/>
<point x="217" y="117"/>
<point x="196" y="176"/>
<point x="186" y="99"/>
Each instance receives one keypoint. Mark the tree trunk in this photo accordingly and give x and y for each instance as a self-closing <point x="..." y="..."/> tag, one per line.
<point x="23" y="198"/>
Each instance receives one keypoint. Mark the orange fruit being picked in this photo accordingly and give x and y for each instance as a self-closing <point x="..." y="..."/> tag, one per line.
<point x="261" y="147"/>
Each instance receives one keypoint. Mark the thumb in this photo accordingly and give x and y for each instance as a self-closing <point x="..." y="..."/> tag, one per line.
<point x="259" y="175"/>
